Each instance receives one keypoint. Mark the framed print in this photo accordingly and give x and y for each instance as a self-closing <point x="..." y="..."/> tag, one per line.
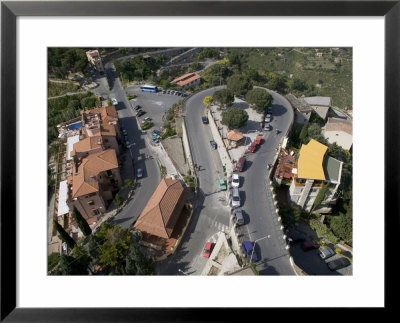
<point x="366" y="33"/>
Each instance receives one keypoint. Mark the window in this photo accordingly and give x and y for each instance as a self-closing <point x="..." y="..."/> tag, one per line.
<point x="91" y="202"/>
<point x="109" y="173"/>
<point x="96" y="212"/>
<point x="106" y="140"/>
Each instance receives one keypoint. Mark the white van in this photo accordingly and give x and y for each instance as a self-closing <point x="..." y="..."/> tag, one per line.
<point x="235" y="197"/>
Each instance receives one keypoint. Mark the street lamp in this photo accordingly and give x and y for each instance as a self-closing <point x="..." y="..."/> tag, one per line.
<point x="182" y="272"/>
<point x="254" y="244"/>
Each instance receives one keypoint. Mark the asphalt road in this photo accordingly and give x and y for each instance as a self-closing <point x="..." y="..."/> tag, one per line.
<point x="274" y="258"/>
<point x="210" y="216"/>
<point x="151" y="173"/>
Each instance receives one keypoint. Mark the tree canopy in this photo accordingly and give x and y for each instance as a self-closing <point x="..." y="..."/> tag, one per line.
<point x="234" y="118"/>
<point x="278" y="83"/>
<point x="239" y="84"/>
<point x="115" y="243"/>
<point x="260" y="99"/>
<point x="82" y="224"/>
<point x="223" y="97"/>
<point x="137" y="263"/>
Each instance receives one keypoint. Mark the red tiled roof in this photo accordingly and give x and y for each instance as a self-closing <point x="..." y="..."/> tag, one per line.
<point x="84" y="181"/>
<point x="185" y="79"/>
<point x="234" y="135"/>
<point x="162" y="211"/>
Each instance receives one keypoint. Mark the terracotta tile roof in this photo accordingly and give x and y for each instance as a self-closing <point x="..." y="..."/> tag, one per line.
<point x="108" y="119"/>
<point x="163" y="209"/>
<point x="88" y="144"/>
<point x="338" y="124"/>
<point x="85" y="181"/>
<point x="234" y="135"/>
<point x="185" y="79"/>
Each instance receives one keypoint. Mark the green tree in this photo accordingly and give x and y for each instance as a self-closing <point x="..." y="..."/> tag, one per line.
<point x="239" y="84"/>
<point x="115" y="244"/>
<point x="74" y="105"/>
<point x="342" y="224"/>
<point x="82" y="224"/>
<point x="299" y="85"/>
<point x="234" y="118"/>
<point x="118" y="200"/>
<point x="278" y="83"/>
<point x="223" y="97"/>
<point x="64" y="235"/>
<point x="70" y="266"/>
<point x="82" y="255"/>
<point x="303" y="133"/>
<point x="260" y="99"/>
<point x="89" y="102"/>
<point x="137" y="263"/>
<point x="94" y="246"/>
<point x="52" y="260"/>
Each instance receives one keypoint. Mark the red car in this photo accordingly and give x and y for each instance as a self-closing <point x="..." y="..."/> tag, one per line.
<point x="252" y="148"/>
<point x="207" y="249"/>
<point x="240" y="164"/>
<point x="258" y="141"/>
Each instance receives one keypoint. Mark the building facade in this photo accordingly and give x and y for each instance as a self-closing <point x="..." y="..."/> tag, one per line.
<point x="94" y="59"/>
<point x="187" y="80"/>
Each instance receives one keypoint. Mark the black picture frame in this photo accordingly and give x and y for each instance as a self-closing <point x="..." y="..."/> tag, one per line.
<point x="10" y="10"/>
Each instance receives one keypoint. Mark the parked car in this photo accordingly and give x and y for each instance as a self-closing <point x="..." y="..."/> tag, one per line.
<point x="138" y="107"/>
<point x="268" y="117"/>
<point x="258" y="140"/>
<point x="140" y="113"/>
<point x="235" y="180"/>
<point x="267" y="127"/>
<point x="240" y="164"/>
<point x="139" y="173"/>
<point x="269" y="110"/>
<point x="222" y="184"/>
<point x="326" y="253"/>
<point x="163" y="91"/>
<point x="235" y="197"/>
<point x="238" y="216"/>
<point x="252" y="148"/>
<point x="213" y="144"/>
<point x="309" y="245"/>
<point x="158" y="132"/>
<point x="338" y="263"/>
<point x="247" y="247"/>
<point x="124" y="132"/>
<point x="207" y="249"/>
<point x="204" y="119"/>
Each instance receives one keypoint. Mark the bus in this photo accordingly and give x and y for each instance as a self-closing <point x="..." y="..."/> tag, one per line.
<point x="149" y="88"/>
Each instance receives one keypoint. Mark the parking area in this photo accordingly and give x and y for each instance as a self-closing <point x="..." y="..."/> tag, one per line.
<point x="155" y="105"/>
<point x="310" y="262"/>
